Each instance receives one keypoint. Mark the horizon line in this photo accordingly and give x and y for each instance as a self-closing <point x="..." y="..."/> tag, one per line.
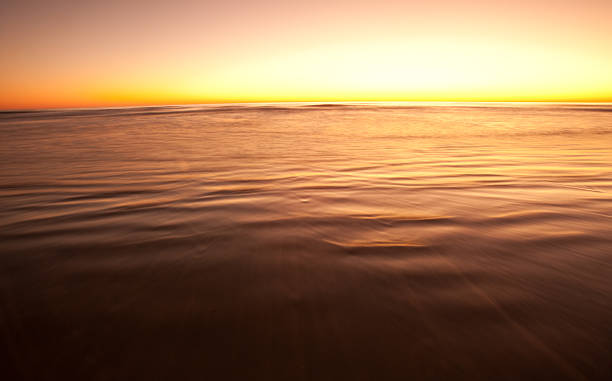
<point x="220" y="102"/>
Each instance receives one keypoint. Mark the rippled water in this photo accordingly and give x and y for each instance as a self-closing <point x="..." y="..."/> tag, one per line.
<point x="370" y="241"/>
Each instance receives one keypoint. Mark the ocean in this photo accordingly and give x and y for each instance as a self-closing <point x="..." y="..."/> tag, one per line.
<point x="307" y="241"/>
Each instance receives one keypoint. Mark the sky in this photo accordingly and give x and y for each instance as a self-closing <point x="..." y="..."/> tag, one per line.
<point x="65" y="53"/>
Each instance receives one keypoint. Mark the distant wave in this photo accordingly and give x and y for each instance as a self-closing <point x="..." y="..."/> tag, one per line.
<point x="293" y="107"/>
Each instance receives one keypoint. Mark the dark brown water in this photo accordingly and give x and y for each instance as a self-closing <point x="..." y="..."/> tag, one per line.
<point x="307" y="242"/>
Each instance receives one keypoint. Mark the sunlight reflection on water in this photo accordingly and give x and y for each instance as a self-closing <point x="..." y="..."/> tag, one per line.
<point x="363" y="241"/>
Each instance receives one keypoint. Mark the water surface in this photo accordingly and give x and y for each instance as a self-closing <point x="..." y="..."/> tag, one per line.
<point x="374" y="241"/>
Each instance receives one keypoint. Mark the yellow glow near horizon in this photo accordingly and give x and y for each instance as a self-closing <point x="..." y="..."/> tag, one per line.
<point x="130" y="53"/>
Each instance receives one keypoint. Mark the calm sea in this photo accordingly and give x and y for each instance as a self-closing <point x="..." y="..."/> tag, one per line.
<point x="374" y="241"/>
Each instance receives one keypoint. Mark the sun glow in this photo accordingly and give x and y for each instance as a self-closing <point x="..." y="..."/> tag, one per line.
<point x="270" y="51"/>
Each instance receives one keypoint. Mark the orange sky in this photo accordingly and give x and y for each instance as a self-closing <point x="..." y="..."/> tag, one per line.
<point x="96" y="53"/>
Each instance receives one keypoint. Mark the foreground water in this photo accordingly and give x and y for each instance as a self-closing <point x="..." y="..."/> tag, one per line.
<point x="307" y="242"/>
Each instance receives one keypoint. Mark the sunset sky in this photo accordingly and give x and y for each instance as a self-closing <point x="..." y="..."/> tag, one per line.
<point x="101" y="53"/>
